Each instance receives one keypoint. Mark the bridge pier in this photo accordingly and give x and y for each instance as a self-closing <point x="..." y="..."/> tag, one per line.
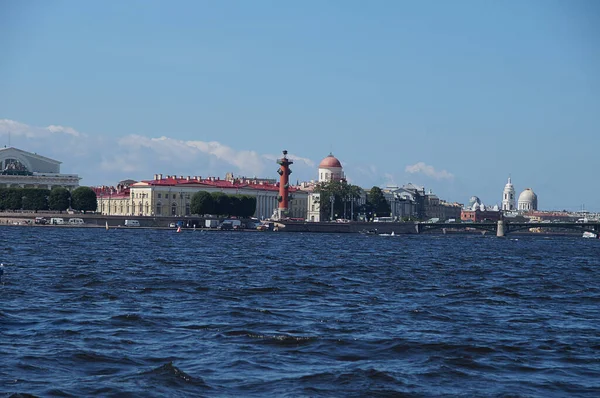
<point x="500" y="229"/>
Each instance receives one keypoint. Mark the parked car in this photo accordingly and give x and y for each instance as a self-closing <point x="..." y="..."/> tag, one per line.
<point x="172" y="225"/>
<point x="41" y="220"/>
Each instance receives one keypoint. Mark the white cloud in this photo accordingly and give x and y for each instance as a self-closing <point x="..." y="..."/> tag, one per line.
<point x="295" y="158"/>
<point x="430" y="171"/>
<point x="101" y="160"/>
<point x="62" y="129"/>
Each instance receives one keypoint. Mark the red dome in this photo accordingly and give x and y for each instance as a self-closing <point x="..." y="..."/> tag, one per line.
<point x="329" y="162"/>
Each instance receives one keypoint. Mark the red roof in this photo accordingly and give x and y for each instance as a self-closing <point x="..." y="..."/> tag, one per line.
<point x="112" y="192"/>
<point x="214" y="183"/>
<point x="329" y="162"/>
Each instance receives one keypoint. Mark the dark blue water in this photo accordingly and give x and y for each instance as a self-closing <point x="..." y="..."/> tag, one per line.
<point x="89" y="312"/>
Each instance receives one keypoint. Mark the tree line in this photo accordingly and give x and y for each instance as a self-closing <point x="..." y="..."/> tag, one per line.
<point x="222" y="204"/>
<point x="58" y="199"/>
<point x="344" y="194"/>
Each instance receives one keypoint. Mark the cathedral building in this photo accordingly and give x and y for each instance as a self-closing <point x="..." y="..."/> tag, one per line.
<point x="526" y="202"/>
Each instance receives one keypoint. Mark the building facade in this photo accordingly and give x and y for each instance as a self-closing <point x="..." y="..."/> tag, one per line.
<point x="410" y="202"/>
<point x="22" y="169"/>
<point x="480" y="215"/>
<point x="171" y="196"/>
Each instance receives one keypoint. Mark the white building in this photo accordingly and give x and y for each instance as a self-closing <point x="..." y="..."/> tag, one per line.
<point x="22" y="169"/>
<point x="508" y="197"/>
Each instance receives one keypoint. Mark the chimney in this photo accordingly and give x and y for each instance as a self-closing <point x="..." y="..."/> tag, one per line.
<point x="155" y="177"/>
<point x="181" y="177"/>
<point x="188" y="178"/>
<point x="160" y="176"/>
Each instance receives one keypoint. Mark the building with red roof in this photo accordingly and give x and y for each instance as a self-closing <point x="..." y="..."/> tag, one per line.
<point x="171" y="195"/>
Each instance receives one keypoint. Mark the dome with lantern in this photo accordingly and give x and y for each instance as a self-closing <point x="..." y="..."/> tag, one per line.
<point x="527" y="200"/>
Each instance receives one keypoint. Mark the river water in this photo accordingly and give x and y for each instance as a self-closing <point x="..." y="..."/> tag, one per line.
<point x="132" y="312"/>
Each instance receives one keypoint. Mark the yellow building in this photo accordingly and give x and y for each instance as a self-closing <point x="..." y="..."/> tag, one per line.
<point x="172" y="195"/>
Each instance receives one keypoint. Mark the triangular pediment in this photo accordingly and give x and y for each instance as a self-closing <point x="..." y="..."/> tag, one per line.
<point x="11" y="151"/>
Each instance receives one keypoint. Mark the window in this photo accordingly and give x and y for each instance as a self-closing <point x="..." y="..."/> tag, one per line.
<point x="159" y="196"/>
<point x="174" y="209"/>
<point x="158" y="209"/>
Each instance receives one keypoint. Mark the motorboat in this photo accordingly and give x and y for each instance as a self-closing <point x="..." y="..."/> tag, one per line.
<point x="591" y="235"/>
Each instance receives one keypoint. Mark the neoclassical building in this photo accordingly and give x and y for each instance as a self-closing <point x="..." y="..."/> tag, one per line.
<point x="330" y="169"/>
<point x="22" y="169"/>
<point x="171" y="196"/>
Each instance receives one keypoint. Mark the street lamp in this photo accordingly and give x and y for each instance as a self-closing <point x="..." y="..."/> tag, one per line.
<point x="332" y="200"/>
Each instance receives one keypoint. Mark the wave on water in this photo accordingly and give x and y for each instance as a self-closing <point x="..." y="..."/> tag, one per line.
<point x="169" y="376"/>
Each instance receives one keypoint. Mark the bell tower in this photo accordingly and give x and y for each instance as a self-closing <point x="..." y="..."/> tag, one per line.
<point x="508" y="197"/>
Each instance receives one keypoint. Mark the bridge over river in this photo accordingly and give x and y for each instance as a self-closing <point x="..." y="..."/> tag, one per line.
<point x="501" y="228"/>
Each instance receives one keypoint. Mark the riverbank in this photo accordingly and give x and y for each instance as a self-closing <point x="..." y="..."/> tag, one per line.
<point x="117" y="222"/>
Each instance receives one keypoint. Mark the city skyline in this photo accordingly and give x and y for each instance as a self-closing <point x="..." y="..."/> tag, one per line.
<point x="454" y="97"/>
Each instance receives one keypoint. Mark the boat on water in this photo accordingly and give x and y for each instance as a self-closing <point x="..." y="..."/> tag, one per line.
<point x="591" y="235"/>
<point x="392" y="234"/>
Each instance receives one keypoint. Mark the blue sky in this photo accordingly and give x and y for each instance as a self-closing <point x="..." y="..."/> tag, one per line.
<point x="454" y="96"/>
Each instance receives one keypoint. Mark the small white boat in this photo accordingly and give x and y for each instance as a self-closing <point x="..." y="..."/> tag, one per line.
<point x="588" y="234"/>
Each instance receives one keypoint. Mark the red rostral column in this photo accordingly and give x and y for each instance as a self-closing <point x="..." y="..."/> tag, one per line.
<point x="284" y="185"/>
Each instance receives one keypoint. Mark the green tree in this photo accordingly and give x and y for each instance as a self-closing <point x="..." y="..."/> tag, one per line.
<point x="342" y="192"/>
<point x="202" y="203"/>
<point x="84" y="199"/>
<point x="378" y="204"/>
<point x="59" y="199"/>
<point x="35" y="199"/>
<point x="248" y="206"/>
<point x="11" y="198"/>
<point x="235" y="205"/>
<point x="222" y="203"/>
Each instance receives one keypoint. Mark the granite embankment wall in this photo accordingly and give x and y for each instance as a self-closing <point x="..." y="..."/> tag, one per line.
<point x="99" y="220"/>
<point x="354" y="227"/>
<point x="92" y="220"/>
